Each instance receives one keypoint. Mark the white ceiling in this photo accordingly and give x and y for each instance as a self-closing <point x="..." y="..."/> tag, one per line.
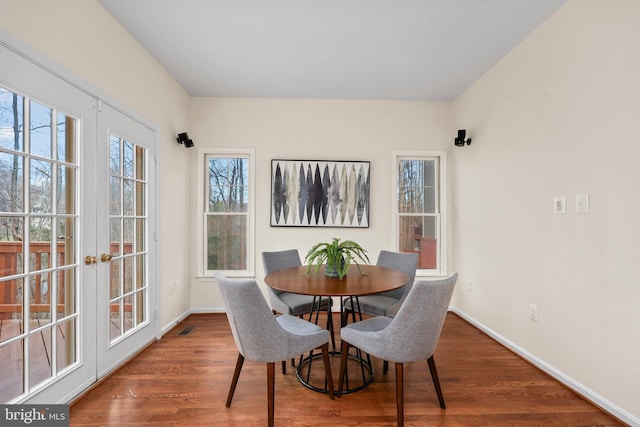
<point x="338" y="49"/>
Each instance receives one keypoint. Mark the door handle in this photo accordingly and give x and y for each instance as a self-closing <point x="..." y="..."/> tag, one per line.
<point x="90" y="260"/>
<point x="105" y="257"/>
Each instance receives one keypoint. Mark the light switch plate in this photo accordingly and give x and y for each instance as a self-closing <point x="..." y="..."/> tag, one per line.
<point x="559" y="205"/>
<point x="582" y="203"/>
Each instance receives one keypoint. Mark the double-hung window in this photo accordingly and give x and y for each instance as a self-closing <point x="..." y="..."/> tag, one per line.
<point x="227" y="212"/>
<point x="420" y="208"/>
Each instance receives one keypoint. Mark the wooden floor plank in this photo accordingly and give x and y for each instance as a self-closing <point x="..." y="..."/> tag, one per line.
<point x="184" y="380"/>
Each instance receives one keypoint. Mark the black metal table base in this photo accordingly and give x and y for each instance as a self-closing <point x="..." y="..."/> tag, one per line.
<point x="303" y="372"/>
<point x="305" y="362"/>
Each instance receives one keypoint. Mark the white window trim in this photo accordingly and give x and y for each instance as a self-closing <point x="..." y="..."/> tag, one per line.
<point x="200" y="213"/>
<point x="442" y="252"/>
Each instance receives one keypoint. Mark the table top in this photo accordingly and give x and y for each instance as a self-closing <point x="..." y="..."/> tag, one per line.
<point x="375" y="280"/>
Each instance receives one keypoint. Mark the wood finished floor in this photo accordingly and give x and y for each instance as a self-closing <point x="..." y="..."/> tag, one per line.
<point x="183" y="381"/>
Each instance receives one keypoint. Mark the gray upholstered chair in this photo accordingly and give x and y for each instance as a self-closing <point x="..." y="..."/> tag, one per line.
<point x="410" y="336"/>
<point x="387" y="303"/>
<point x="262" y="337"/>
<point x="290" y="303"/>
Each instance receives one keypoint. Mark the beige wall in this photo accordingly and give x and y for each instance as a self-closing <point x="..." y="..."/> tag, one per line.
<point x="321" y="130"/>
<point x="85" y="40"/>
<point x="557" y="117"/>
<point x="553" y="118"/>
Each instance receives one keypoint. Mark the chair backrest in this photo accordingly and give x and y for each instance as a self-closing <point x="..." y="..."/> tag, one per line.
<point x="277" y="260"/>
<point x="256" y="332"/>
<point x="413" y="333"/>
<point x="406" y="262"/>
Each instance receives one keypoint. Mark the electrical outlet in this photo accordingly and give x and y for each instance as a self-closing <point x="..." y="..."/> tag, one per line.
<point x="533" y="312"/>
<point x="469" y="285"/>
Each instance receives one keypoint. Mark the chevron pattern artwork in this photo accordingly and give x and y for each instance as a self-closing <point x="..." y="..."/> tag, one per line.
<point x="313" y="193"/>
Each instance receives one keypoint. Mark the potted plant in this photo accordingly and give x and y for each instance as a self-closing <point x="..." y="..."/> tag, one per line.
<point x="337" y="256"/>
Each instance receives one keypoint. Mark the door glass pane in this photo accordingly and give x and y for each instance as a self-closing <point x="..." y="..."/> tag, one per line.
<point x="65" y="339"/>
<point x="141" y="164"/>
<point x="11" y="120"/>
<point x="114" y="278"/>
<point x="115" y="199"/>
<point x="65" y="232"/>
<point x="11" y="246"/>
<point x="127" y="197"/>
<point x="65" y="139"/>
<point x="140" y="235"/>
<point x="140" y="272"/>
<point x="127" y="323"/>
<point x="12" y="379"/>
<point x="11" y="292"/>
<point x="66" y="293"/>
<point x="127" y="163"/>
<point x="65" y="189"/>
<point x="12" y="178"/>
<point x="140" y="198"/>
<point x="40" y="140"/>
<point x="40" y="243"/>
<point x="39" y="293"/>
<point x="128" y="274"/>
<point x="115" y="236"/>
<point x="40" y="186"/>
<point x="115" y="319"/>
<point x="39" y="351"/>
<point x="114" y="153"/>
<point x="127" y="235"/>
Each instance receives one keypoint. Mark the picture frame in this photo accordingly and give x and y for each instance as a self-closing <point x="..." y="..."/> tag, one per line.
<point x="320" y="193"/>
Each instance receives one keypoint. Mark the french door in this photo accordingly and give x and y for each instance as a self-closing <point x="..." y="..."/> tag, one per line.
<point x="77" y="180"/>
<point x="125" y="243"/>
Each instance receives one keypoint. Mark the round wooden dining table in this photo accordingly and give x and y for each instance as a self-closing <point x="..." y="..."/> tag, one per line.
<point x="366" y="280"/>
<point x="372" y="280"/>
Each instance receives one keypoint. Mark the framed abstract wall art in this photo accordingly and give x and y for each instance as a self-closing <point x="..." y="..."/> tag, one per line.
<point x="319" y="193"/>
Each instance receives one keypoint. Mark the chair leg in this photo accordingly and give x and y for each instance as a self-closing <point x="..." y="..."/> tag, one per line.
<point x="284" y="367"/>
<point x="271" y="382"/>
<point x="385" y="366"/>
<point x="343" y="366"/>
<point x="234" y="381"/>
<point x="436" y="381"/>
<point x="330" y="325"/>
<point x="400" y="393"/>
<point x="327" y="369"/>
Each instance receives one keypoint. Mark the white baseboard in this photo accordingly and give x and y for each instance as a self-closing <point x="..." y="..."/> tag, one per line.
<point x="207" y="310"/>
<point x="574" y="385"/>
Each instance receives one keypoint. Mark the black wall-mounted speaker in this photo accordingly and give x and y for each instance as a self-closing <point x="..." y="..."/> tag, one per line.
<point x="183" y="138"/>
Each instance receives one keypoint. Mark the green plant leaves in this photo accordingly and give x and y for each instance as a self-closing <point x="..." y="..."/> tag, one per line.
<point x="336" y="255"/>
